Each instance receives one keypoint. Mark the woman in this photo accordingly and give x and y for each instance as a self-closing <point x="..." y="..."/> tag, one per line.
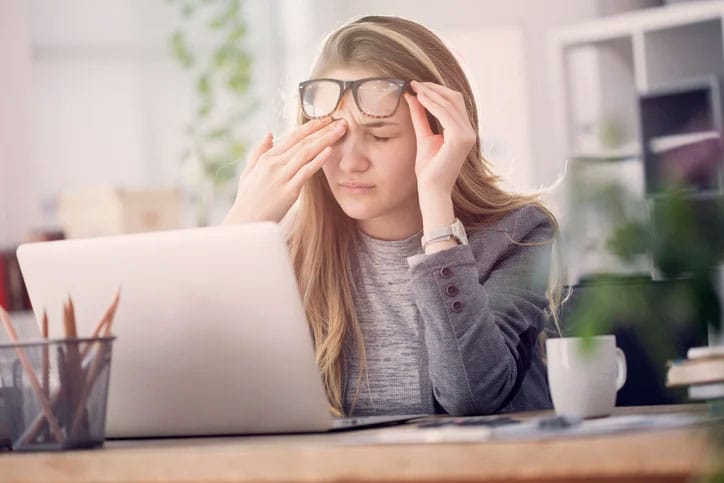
<point x="420" y="277"/>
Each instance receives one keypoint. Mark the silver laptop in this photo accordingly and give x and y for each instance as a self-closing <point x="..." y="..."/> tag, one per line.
<point x="211" y="333"/>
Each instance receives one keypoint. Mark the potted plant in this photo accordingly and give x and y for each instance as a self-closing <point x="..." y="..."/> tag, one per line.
<point x="210" y="45"/>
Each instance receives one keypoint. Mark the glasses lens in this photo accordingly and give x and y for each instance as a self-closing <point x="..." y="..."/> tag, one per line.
<point x="379" y="97"/>
<point x="319" y="98"/>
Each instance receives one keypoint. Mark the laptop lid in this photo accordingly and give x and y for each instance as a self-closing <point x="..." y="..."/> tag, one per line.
<point x="211" y="333"/>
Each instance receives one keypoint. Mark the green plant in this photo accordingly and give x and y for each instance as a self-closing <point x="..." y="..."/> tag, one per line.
<point x="210" y="45"/>
<point x="684" y="236"/>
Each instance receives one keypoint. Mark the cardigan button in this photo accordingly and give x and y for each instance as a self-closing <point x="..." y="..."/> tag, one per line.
<point x="451" y="290"/>
<point x="457" y="306"/>
<point x="445" y="272"/>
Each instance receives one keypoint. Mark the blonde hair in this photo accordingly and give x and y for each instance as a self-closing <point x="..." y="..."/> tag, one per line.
<point x="323" y="239"/>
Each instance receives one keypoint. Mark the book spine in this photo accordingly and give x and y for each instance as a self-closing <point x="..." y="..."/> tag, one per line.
<point x="4" y="291"/>
<point x="18" y="294"/>
<point x="707" y="391"/>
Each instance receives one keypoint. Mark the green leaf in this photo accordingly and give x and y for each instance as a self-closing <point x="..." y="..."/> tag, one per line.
<point x="187" y="10"/>
<point x="180" y="50"/>
<point x="218" y="22"/>
<point x="239" y="79"/>
<point x="205" y="109"/>
<point x="218" y="133"/>
<point x="203" y="85"/>
<point x="221" y="57"/>
<point x="238" y="150"/>
<point x="237" y="33"/>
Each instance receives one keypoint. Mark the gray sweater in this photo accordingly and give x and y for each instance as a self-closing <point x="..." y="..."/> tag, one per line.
<point x="455" y="331"/>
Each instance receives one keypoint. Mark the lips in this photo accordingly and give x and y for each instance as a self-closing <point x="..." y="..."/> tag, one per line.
<point x="356" y="186"/>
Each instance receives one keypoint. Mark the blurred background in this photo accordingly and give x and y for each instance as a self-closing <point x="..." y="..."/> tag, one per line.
<point x="122" y="116"/>
<point x="135" y="115"/>
<point x="93" y="98"/>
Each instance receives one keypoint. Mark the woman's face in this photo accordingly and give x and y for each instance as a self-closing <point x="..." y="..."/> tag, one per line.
<point x="371" y="170"/>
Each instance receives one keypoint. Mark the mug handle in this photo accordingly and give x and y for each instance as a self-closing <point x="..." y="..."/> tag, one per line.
<point x="621" y="365"/>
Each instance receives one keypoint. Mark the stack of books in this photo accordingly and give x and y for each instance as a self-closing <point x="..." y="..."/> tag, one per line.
<point x="702" y="371"/>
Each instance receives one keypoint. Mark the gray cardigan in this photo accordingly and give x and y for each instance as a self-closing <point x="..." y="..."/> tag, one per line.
<point x="480" y="336"/>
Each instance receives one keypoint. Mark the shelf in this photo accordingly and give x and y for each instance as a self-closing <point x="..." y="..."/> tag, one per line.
<point x="630" y="23"/>
<point x="638" y="99"/>
<point x="681" y="130"/>
<point x="683" y="52"/>
<point x="661" y="144"/>
<point x="601" y="95"/>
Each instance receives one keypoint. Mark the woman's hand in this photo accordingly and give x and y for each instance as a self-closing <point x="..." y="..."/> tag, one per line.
<point x="275" y="174"/>
<point x="439" y="156"/>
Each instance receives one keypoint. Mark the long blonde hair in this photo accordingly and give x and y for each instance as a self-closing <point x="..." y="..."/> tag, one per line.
<point x="323" y="239"/>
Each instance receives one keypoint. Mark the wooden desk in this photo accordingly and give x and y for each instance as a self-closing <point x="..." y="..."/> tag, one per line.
<point x="670" y="455"/>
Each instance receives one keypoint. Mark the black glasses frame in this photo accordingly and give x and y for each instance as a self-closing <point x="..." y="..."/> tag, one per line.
<point x="354" y="86"/>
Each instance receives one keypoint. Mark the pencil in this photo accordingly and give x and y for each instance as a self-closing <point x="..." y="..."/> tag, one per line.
<point x="76" y="373"/>
<point x="46" y="356"/>
<point x="34" y="383"/>
<point x="36" y="425"/>
<point x="105" y="319"/>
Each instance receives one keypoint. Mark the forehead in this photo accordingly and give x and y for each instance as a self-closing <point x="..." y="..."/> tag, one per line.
<point x="350" y="73"/>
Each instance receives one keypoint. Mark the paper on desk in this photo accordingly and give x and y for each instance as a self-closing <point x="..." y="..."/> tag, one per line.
<point x="599" y="426"/>
<point x="527" y="430"/>
<point x="412" y="434"/>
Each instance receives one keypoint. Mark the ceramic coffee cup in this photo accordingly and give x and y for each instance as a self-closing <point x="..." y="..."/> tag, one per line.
<point x="584" y="380"/>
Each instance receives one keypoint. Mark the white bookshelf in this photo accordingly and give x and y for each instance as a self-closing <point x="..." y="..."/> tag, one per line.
<point x="599" y="70"/>
<point x="601" y="66"/>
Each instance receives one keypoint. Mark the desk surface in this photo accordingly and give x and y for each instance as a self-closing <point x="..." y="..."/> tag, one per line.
<point x="667" y="455"/>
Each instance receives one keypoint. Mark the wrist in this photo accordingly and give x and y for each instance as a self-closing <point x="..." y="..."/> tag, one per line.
<point x="428" y="191"/>
<point x="436" y="210"/>
<point x="237" y="214"/>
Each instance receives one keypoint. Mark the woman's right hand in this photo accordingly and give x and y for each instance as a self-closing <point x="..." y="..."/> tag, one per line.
<point x="275" y="174"/>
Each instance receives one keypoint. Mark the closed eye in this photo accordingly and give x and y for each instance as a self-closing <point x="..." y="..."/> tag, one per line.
<point x="380" y="139"/>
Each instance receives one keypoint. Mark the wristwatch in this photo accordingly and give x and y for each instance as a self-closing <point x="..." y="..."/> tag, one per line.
<point x="456" y="232"/>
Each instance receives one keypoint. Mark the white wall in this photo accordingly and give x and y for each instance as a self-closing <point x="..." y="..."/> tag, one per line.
<point x="89" y="94"/>
<point x="15" y="75"/>
<point x="93" y="98"/>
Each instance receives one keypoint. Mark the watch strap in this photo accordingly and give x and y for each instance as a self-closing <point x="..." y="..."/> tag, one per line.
<point x="456" y="232"/>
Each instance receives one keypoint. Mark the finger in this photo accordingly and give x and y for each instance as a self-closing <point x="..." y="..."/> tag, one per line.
<point x="308" y="149"/>
<point x="420" y="123"/>
<point x="441" y="112"/>
<point x="307" y="171"/>
<point x="300" y="133"/>
<point x="451" y="95"/>
<point x="456" y="109"/>
<point x="266" y="145"/>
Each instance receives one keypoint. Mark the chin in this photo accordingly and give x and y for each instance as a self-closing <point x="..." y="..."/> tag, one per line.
<point x="359" y="211"/>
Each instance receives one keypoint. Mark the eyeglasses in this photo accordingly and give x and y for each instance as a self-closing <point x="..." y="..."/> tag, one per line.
<point x="375" y="96"/>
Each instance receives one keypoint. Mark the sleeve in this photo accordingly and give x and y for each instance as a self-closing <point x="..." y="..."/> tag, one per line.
<point x="482" y="307"/>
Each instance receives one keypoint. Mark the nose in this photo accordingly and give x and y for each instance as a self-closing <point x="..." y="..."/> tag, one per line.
<point x="352" y="153"/>
<point x="352" y="150"/>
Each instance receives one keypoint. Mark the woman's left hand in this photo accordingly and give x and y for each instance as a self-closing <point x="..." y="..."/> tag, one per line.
<point x="439" y="156"/>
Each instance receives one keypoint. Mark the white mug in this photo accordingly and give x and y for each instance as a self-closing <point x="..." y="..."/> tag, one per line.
<point x="584" y="380"/>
